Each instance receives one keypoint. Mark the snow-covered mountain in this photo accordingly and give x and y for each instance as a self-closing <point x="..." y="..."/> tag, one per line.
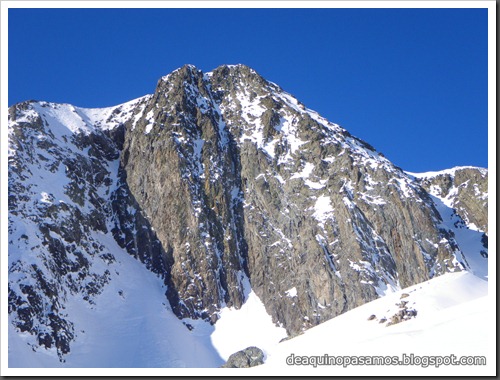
<point x="166" y="214"/>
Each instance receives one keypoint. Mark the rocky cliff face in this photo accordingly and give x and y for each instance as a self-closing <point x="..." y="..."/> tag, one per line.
<point x="213" y="179"/>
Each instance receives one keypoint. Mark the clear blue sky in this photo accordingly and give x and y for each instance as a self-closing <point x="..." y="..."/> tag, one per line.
<point x="412" y="83"/>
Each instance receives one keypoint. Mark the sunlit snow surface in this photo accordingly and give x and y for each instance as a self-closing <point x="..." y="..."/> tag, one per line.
<point x="248" y="326"/>
<point x="455" y="316"/>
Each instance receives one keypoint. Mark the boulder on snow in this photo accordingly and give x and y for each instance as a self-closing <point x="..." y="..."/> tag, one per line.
<point x="249" y="357"/>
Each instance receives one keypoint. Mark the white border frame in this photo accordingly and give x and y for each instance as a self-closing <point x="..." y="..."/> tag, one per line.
<point x="5" y="5"/>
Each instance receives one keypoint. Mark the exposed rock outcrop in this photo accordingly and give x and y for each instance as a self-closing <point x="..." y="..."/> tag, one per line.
<point x="249" y="357"/>
<point x="463" y="188"/>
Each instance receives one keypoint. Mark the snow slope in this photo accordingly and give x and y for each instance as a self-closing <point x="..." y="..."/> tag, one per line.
<point x="450" y="171"/>
<point x="248" y="326"/>
<point x="455" y="316"/>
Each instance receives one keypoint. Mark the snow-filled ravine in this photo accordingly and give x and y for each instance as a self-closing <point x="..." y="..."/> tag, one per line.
<point x="132" y="325"/>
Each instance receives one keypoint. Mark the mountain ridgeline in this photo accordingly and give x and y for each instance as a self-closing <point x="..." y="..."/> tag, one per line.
<point x="215" y="179"/>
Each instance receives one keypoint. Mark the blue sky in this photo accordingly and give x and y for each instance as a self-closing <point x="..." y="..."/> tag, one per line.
<point x="411" y="82"/>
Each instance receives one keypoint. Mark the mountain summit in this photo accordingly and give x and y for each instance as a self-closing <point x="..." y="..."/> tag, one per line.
<point x="221" y="184"/>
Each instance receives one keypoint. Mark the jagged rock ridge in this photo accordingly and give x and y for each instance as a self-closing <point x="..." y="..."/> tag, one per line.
<point x="213" y="178"/>
<point x="463" y="188"/>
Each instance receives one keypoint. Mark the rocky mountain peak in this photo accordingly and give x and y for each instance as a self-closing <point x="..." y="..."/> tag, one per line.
<point x="238" y="72"/>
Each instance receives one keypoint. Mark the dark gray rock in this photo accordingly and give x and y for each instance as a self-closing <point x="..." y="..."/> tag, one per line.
<point x="404" y="313"/>
<point x="249" y="357"/>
